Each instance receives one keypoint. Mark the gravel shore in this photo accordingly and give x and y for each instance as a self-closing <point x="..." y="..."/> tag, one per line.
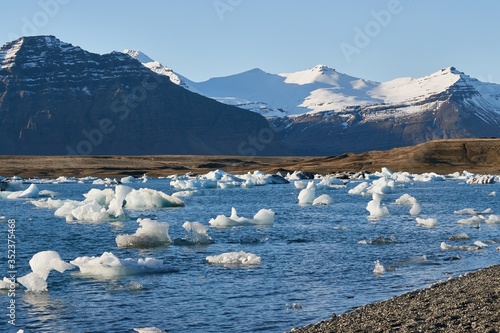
<point x="469" y="303"/>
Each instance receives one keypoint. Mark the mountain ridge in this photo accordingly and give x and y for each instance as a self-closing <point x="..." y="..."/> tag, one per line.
<point x="56" y="98"/>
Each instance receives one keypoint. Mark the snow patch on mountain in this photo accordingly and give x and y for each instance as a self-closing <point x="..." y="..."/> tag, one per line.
<point x="8" y="53"/>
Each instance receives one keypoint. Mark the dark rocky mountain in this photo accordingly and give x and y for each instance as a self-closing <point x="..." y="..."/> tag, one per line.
<point x="57" y="99"/>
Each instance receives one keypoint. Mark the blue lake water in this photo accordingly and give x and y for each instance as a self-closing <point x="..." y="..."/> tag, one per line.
<point x="310" y="256"/>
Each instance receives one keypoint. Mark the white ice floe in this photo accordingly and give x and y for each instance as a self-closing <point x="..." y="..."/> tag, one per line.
<point x="323" y="199"/>
<point x="263" y="217"/>
<point x="41" y="264"/>
<point x="407" y="199"/>
<point x="150" y="234"/>
<point x="379" y="268"/>
<point x="187" y="193"/>
<point x="381" y="186"/>
<point x="108" y="204"/>
<point x="300" y="184"/>
<point x="448" y="247"/>
<point x="480" y="244"/>
<point x="6" y="284"/>
<point x="307" y="195"/>
<point x="110" y="266"/>
<point x="235" y="259"/>
<point x="428" y="223"/>
<point x="31" y="192"/>
<point x="471" y="220"/>
<point x="197" y="233"/>
<point x="428" y="177"/>
<point x="472" y="211"/>
<point x="149" y="330"/>
<point x="375" y="207"/>
<point x="492" y="194"/>
<point x="359" y="189"/>
<point x="146" y="198"/>
<point x="493" y="219"/>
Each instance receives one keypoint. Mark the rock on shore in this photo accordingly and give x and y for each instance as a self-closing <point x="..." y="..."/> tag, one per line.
<point x="470" y="303"/>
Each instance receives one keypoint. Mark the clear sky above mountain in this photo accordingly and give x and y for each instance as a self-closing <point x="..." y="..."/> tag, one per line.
<point x="376" y="40"/>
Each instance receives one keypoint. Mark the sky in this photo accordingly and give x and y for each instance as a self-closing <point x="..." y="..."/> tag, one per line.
<point x="200" y="39"/>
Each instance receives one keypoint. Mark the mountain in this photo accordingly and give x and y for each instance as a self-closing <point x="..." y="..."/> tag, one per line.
<point x="58" y="99"/>
<point x="320" y="111"/>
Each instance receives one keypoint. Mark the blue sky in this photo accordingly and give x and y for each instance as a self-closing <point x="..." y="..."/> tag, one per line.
<point x="377" y="40"/>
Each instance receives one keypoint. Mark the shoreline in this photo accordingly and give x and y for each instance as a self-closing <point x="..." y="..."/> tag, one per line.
<point x="440" y="156"/>
<point x="468" y="303"/>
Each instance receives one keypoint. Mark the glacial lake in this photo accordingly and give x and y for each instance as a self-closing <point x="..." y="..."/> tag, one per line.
<point x="314" y="260"/>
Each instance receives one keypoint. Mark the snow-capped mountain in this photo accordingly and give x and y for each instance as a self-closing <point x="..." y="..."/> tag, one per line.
<point x="56" y="98"/>
<point x="325" y="112"/>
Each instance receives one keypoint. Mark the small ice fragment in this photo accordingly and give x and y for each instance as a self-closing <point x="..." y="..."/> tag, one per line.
<point x="379" y="269"/>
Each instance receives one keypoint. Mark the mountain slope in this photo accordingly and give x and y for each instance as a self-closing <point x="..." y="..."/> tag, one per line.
<point x="56" y="98"/>
<point x="320" y="111"/>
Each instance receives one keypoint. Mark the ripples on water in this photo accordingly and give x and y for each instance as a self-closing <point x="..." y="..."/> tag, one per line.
<point x="310" y="257"/>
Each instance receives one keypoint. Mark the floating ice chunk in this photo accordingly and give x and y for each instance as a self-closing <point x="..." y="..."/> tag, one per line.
<point x="41" y="264"/>
<point x="471" y="211"/>
<point x="102" y="197"/>
<point x="359" y="189"/>
<point x="401" y="177"/>
<point x="130" y="179"/>
<point x="460" y="236"/>
<point x="405" y="199"/>
<point x="7" y="283"/>
<point x="300" y="184"/>
<point x="323" y="199"/>
<point x="89" y="212"/>
<point x="116" y="205"/>
<point x="146" y="198"/>
<point x="415" y="209"/>
<point x="428" y="177"/>
<point x="448" y="247"/>
<point x="330" y="182"/>
<point x="492" y="194"/>
<point x="471" y="220"/>
<point x="379" y="269"/>
<point x="306" y="196"/>
<point x="47" y="203"/>
<point x="493" y="219"/>
<point x="234" y="259"/>
<point x="150" y="234"/>
<point x="31" y="192"/>
<point x="480" y="244"/>
<point x="188" y="193"/>
<point x="375" y="207"/>
<point x="197" y="233"/>
<point x="263" y="217"/>
<point x="110" y="266"/>
<point x="428" y="223"/>
<point x="381" y="186"/>
<point x="149" y="330"/>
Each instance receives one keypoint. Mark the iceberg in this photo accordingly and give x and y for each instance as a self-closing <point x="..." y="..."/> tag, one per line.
<point x="264" y="217"/>
<point x="110" y="266"/>
<point x="375" y="207"/>
<point x="197" y="233"/>
<point x="41" y="264"/>
<point x="235" y="259"/>
<point x="323" y="199"/>
<point x="150" y="234"/>
<point x="429" y="223"/>
<point x="379" y="268"/>
<point x="306" y="196"/>
<point x="146" y="198"/>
